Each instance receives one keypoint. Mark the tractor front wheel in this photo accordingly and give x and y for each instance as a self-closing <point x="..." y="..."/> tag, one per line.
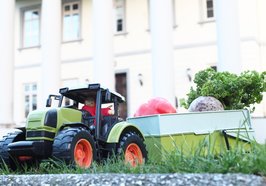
<point x="75" y="146"/>
<point x="132" y="147"/>
<point x="5" y="158"/>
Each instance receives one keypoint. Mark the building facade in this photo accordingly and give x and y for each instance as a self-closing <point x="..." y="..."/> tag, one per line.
<point x="141" y="48"/>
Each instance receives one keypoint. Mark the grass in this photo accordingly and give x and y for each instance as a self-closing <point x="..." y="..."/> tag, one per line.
<point x="231" y="161"/>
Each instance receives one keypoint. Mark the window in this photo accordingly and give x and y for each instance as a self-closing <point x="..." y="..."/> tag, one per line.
<point x="69" y="83"/>
<point x="30" y="98"/>
<point x="207" y="10"/>
<point x="119" y="12"/>
<point x="31" y="27"/>
<point x="71" y="21"/>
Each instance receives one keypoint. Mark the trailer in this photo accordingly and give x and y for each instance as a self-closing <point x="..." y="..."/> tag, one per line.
<point x="218" y="130"/>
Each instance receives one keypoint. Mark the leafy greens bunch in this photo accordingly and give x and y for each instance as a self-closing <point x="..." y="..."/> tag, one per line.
<point x="234" y="91"/>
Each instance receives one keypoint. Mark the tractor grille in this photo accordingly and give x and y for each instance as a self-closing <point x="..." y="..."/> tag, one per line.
<point x="40" y="134"/>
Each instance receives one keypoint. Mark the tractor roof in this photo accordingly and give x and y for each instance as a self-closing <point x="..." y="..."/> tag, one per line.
<point x="90" y="90"/>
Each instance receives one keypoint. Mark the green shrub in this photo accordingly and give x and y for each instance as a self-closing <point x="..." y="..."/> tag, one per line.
<point x="234" y="91"/>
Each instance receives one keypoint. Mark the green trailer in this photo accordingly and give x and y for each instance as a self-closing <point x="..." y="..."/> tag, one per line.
<point x="220" y="131"/>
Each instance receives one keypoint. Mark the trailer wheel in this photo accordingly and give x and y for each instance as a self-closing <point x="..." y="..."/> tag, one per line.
<point x="5" y="158"/>
<point x="132" y="147"/>
<point x="75" y="146"/>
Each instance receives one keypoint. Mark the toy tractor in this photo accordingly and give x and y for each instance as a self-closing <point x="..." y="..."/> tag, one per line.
<point x="72" y="135"/>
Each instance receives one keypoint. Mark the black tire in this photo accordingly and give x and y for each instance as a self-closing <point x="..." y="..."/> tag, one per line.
<point x="6" y="159"/>
<point x="126" y="141"/>
<point x="65" y="143"/>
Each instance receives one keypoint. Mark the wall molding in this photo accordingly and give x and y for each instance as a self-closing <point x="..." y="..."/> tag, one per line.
<point x="147" y="51"/>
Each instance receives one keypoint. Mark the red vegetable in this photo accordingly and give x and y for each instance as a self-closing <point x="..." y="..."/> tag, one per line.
<point x="155" y="106"/>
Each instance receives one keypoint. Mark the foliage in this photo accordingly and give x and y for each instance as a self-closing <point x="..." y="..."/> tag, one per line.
<point x="234" y="91"/>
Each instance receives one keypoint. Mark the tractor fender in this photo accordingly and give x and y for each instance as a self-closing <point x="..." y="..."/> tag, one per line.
<point x="121" y="128"/>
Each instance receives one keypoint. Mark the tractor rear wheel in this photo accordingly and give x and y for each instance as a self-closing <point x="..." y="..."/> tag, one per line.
<point x="5" y="158"/>
<point x="133" y="149"/>
<point x="75" y="146"/>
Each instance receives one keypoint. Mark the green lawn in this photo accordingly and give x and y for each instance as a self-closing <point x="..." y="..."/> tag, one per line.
<point x="200" y="161"/>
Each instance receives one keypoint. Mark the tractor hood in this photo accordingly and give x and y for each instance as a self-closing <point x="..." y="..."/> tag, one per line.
<point x="44" y="124"/>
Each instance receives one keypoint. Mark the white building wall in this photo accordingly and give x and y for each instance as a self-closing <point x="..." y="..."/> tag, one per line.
<point x="137" y="36"/>
<point x="23" y="76"/>
<point x="25" y="56"/>
<point x="135" y="65"/>
<point x="194" y="48"/>
<point x="196" y="58"/>
<point x="248" y="20"/>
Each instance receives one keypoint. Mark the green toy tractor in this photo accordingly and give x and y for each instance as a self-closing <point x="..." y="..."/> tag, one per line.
<point x="72" y="135"/>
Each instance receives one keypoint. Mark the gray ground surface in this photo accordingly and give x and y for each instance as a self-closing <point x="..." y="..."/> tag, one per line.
<point x="133" y="179"/>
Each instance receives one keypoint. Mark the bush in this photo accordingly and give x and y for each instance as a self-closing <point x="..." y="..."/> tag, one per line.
<point x="234" y="91"/>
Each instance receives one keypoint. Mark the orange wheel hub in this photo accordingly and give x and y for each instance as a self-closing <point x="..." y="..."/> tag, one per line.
<point x="133" y="155"/>
<point x="83" y="153"/>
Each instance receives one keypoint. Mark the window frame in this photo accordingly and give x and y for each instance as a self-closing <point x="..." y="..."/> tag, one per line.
<point x="69" y="83"/>
<point x="22" y="25"/>
<point x="211" y="9"/>
<point x="174" y="13"/>
<point x="124" y="25"/>
<point x="71" y="2"/>
<point x="30" y="93"/>
<point x="204" y="12"/>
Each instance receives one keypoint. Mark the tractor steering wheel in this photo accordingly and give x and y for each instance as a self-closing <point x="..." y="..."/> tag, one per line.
<point x="85" y="114"/>
<point x="87" y="118"/>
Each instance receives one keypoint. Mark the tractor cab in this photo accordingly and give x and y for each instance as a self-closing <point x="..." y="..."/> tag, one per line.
<point x="104" y="98"/>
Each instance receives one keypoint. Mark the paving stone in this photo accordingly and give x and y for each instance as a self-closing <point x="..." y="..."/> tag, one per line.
<point x="133" y="179"/>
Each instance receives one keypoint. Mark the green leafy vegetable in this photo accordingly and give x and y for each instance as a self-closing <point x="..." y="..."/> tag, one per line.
<point x="234" y="91"/>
